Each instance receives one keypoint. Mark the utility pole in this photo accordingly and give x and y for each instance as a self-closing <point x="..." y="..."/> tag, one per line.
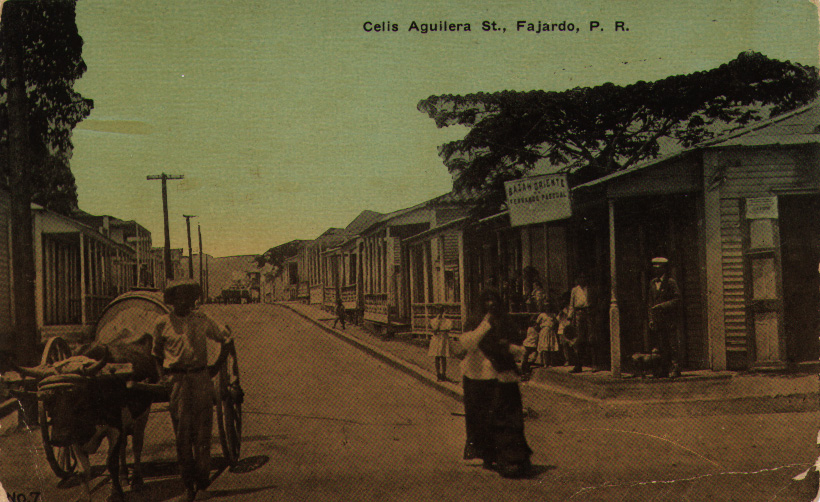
<point x="201" y="278"/>
<point x="190" y="249"/>
<point x="169" y="269"/>
<point x="207" y="280"/>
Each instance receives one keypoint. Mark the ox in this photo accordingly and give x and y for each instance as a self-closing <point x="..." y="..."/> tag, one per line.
<point x="87" y="404"/>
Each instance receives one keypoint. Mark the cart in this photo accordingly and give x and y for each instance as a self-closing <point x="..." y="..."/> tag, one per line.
<point x="127" y="318"/>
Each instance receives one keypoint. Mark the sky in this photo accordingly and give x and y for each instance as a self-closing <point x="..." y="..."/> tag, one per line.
<point x="287" y="118"/>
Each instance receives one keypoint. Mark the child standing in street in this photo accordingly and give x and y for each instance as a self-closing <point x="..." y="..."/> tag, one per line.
<point x="548" y="337"/>
<point x="440" y="342"/>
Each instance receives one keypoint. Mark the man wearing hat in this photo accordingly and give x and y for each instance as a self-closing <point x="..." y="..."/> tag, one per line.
<point x="664" y="297"/>
<point x="580" y="314"/>
<point x="180" y="345"/>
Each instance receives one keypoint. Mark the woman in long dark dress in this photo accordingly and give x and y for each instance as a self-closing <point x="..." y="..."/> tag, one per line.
<point x="492" y="399"/>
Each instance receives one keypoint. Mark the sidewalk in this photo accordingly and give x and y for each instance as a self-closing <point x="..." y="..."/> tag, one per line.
<point x="695" y="392"/>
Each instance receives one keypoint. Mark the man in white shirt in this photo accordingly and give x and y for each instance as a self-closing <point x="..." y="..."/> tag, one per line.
<point x="180" y="346"/>
<point x="580" y="314"/>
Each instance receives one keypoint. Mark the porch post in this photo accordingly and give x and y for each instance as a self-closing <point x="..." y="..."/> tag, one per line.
<point x="462" y="294"/>
<point x="425" y="257"/>
<point x="614" y="312"/>
<point x="412" y="268"/>
<point x="83" y="286"/>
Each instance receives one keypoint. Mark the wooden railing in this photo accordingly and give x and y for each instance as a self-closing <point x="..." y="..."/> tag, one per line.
<point x="293" y="292"/>
<point x="317" y="294"/>
<point x="375" y="308"/>
<point x="329" y="299"/>
<point x="422" y="312"/>
<point x="350" y="299"/>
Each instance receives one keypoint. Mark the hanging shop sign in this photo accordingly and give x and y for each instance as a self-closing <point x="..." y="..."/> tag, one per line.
<point x="758" y="208"/>
<point x="538" y="199"/>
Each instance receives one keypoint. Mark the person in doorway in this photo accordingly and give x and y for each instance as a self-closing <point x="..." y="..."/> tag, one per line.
<point x="537" y="297"/>
<point x="340" y="313"/>
<point x="180" y="347"/>
<point x="440" y="347"/>
<point x="580" y="314"/>
<point x="664" y="297"/>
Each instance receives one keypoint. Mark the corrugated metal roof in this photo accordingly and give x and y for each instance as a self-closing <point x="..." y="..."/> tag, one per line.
<point x="800" y="126"/>
<point x="463" y="197"/>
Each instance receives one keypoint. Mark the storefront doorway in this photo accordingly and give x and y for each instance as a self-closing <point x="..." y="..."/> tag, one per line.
<point x="799" y="221"/>
<point x="647" y="227"/>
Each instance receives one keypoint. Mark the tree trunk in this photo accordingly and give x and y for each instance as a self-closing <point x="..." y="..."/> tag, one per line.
<point x="22" y="249"/>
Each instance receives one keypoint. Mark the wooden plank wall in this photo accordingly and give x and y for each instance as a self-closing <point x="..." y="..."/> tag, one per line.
<point x="751" y="172"/>
<point x="755" y="172"/>
<point x="734" y="300"/>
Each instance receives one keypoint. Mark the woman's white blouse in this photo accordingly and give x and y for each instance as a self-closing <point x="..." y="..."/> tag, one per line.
<point x="475" y="365"/>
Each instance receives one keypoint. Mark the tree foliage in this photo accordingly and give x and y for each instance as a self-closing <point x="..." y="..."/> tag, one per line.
<point x="276" y="256"/>
<point x="52" y="62"/>
<point x="593" y="131"/>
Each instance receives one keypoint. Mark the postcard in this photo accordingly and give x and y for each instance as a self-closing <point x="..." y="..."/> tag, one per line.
<point x="547" y="251"/>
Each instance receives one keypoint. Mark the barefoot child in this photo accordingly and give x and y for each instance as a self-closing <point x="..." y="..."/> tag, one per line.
<point x="548" y="337"/>
<point x="440" y="342"/>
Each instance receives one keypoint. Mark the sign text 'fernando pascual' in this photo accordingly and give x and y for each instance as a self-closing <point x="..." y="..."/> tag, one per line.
<point x="538" y="199"/>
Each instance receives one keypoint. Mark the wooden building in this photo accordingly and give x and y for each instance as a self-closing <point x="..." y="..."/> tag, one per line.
<point x="343" y="264"/>
<point x="437" y="277"/>
<point x="385" y="262"/>
<point x="737" y="217"/>
<point x="315" y="264"/>
<point x="79" y="270"/>
<point x="450" y="265"/>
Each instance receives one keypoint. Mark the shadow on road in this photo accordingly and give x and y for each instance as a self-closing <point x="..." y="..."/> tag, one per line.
<point x="538" y="470"/>
<point x="249" y="464"/>
<point x="163" y="489"/>
<point x="229" y="494"/>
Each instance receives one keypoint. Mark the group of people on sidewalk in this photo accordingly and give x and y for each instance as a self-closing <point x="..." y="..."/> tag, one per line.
<point x="566" y="336"/>
<point x="568" y="331"/>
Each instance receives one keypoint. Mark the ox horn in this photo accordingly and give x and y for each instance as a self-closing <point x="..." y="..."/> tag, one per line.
<point x="96" y="367"/>
<point x="37" y="372"/>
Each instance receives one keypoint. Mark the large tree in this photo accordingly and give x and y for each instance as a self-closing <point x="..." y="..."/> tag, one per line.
<point x="593" y="131"/>
<point x="41" y="60"/>
<point x="277" y="255"/>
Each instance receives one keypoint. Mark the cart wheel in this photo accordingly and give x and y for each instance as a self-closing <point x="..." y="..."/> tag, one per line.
<point x="229" y="407"/>
<point x="61" y="459"/>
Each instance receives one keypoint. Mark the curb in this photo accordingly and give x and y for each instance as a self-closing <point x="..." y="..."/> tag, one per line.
<point x="423" y="376"/>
